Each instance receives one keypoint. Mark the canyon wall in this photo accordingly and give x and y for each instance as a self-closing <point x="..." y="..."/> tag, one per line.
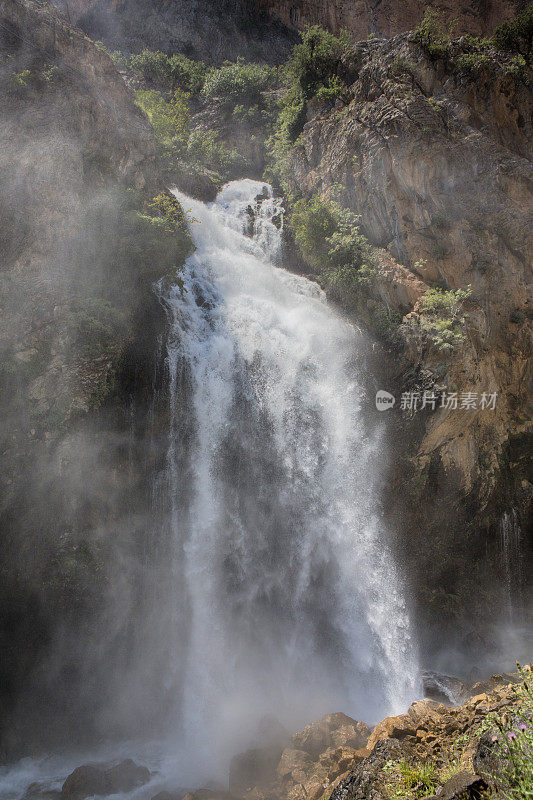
<point x="387" y="17"/>
<point x="435" y="157"/>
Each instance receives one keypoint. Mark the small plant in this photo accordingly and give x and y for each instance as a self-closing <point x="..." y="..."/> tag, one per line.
<point x="517" y="35"/>
<point x="515" y="744"/>
<point x="335" y="89"/>
<point x="409" y="780"/>
<point x="401" y="66"/>
<point x="432" y="35"/>
<point x="20" y="80"/>
<point x="441" y="318"/>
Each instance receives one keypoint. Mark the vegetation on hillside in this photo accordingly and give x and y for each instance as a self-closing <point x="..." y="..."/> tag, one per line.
<point x="474" y="54"/>
<point x="316" y="68"/>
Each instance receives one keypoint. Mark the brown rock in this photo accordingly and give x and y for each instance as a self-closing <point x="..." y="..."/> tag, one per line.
<point x="332" y="730"/>
<point x="292" y="762"/>
<point x="463" y="786"/>
<point x="392" y="728"/>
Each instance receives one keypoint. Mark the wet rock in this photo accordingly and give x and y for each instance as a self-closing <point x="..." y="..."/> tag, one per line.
<point x="104" y="779"/>
<point x="41" y="791"/>
<point x="444" y="688"/>
<point x="486" y="760"/>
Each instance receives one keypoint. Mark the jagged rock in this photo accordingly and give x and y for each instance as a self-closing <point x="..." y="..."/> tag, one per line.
<point x="293" y="764"/>
<point x="392" y="728"/>
<point x="333" y="730"/>
<point x="463" y="786"/>
<point x="103" y="779"/>
<point x="365" y="782"/>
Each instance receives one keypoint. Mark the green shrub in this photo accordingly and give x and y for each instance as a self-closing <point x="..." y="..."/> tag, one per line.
<point x="169" y="72"/>
<point x="327" y="235"/>
<point x="474" y="62"/>
<point x="239" y="83"/>
<point x="517" y="35"/>
<point x="169" y="118"/>
<point x="287" y="128"/>
<point x="335" y="89"/>
<point x="401" y="66"/>
<point x="441" y="319"/>
<point x="203" y="149"/>
<point x="432" y="35"/>
<point x="316" y="59"/>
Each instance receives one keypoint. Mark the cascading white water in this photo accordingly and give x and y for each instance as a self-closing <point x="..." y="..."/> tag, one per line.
<point x="286" y="598"/>
<point x="511" y="550"/>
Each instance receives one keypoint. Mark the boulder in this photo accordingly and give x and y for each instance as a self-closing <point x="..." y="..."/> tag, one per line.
<point x="444" y="688"/>
<point x="426" y="713"/>
<point x="104" y="779"/>
<point x="333" y="730"/>
<point x="392" y="728"/>
<point x="293" y="764"/>
<point x="367" y="779"/>
<point x="463" y="786"/>
<point x="486" y="759"/>
<point x="41" y="791"/>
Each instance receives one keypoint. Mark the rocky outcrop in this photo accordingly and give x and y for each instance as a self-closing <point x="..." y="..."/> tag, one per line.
<point x="438" y="748"/>
<point x="435" y="155"/>
<point x="387" y="18"/>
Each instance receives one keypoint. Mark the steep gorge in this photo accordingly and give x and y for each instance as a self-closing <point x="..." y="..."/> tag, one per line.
<point x="435" y="157"/>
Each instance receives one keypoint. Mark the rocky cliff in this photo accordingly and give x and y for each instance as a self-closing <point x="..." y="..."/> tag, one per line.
<point x="78" y="342"/>
<point x="434" y="154"/>
<point x="205" y="29"/>
<point x="387" y="17"/>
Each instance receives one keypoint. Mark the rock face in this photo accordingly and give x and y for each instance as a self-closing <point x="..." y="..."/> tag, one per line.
<point x="76" y="156"/>
<point x="386" y="18"/>
<point x="208" y="30"/>
<point x="436" y="158"/>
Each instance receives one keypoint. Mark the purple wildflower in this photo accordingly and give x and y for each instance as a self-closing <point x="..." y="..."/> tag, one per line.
<point x="523" y="727"/>
<point x="512" y="735"/>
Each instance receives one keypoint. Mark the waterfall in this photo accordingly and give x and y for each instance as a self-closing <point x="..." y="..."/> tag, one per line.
<point x="511" y="550"/>
<point x="285" y="597"/>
